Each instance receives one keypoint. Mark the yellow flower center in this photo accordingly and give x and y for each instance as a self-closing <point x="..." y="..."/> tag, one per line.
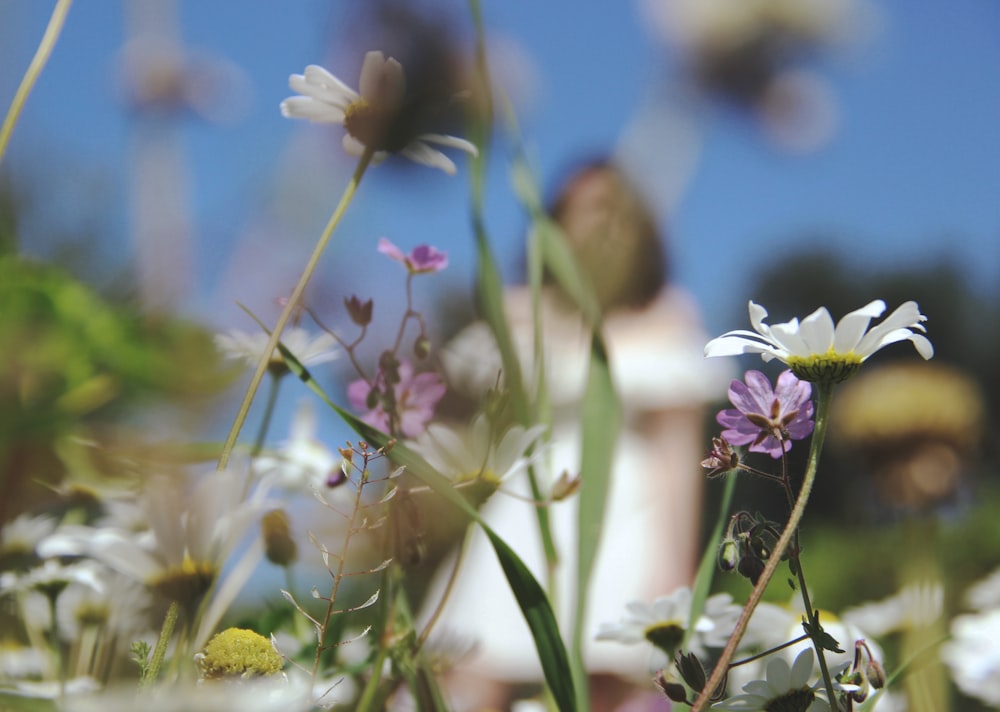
<point x="666" y="635"/>
<point x="187" y="583"/>
<point x="831" y="367"/>
<point x="378" y="127"/>
<point x="237" y="652"/>
<point x="91" y="614"/>
<point x="792" y="701"/>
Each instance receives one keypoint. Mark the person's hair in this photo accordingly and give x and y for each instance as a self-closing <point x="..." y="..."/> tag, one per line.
<point x="613" y="234"/>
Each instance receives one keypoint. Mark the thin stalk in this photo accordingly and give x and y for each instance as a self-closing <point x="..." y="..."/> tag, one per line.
<point x="825" y="392"/>
<point x="813" y="619"/>
<point x="42" y="54"/>
<point x="338" y="577"/>
<point x="811" y="615"/>
<point x="265" y="425"/>
<point x="156" y="662"/>
<point x="291" y="306"/>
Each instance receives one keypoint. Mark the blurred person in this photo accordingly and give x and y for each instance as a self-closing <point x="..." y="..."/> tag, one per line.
<point x="649" y="546"/>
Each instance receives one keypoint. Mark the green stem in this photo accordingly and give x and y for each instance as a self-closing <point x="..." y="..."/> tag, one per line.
<point x="290" y="307"/>
<point x="825" y="391"/>
<point x="156" y="662"/>
<point x="38" y="62"/>
<point x="265" y="425"/>
<point x="813" y="618"/>
<point x="369" y="694"/>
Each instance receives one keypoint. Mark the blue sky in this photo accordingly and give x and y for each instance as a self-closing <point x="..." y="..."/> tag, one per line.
<point x="911" y="175"/>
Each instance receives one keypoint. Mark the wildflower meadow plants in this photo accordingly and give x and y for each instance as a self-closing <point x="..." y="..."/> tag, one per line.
<point x="132" y="591"/>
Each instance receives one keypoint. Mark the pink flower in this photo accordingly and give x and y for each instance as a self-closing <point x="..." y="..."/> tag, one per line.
<point x="415" y="397"/>
<point x="768" y="420"/>
<point x="422" y="258"/>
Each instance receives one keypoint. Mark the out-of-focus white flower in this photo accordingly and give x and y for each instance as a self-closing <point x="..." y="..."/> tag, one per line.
<point x="916" y="605"/>
<point x="20" y="535"/>
<point x="302" y="463"/>
<point x="265" y="694"/>
<point x="52" y="577"/>
<point x="310" y="349"/>
<point x="194" y="533"/>
<point x="373" y="117"/>
<point x="53" y="689"/>
<point x="477" y="452"/>
<point x="715" y="26"/>
<point x="784" y="687"/>
<point x="973" y="655"/>
<point x="986" y="593"/>
<point x="119" y="610"/>
<point x="19" y="661"/>
<point x="815" y="349"/>
<point x="665" y="621"/>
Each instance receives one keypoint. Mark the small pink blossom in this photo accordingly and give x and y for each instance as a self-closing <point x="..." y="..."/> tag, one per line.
<point x="422" y="259"/>
<point x="768" y="420"/>
<point x="416" y="396"/>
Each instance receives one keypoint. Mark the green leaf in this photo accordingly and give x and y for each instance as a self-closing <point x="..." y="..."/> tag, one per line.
<point x="600" y="422"/>
<point x="820" y="637"/>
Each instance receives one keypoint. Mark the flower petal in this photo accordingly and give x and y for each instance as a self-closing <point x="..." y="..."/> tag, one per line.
<point x="318" y="83"/>
<point x="305" y="107"/>
<point x="816" y="332"/>
<point x="382" y="82"/>
<point x="851" y="329"/>
<point x="451" y="142"/>
<point x="420" y="152"/>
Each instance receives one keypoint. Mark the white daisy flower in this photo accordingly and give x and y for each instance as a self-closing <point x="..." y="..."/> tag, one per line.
<point x="265" y="694"/>
<point x="815" y="349"/>
<point x="19" y="536"/>
<point x="914" y="606"/>
<point x="783" y="688"/>
<point x="310" y="349"/>
<point x="477" y="453"/>
<point x="985" y="594"/>
<point x="664" y="622"/>
<point x="973" y="655"/>
<point x="372" y="117"/>
<point x="194" y="532"/>
<point x="19" y="661"/>
<point x="303" y="463"/>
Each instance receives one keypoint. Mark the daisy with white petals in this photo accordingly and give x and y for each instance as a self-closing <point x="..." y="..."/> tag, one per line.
<point x="310" y="349"/>
<point x="374" y="117"/>
<point x="665" y="621"/>
<point x="783" y="688"/>
<point x="815" y="349"/>
<point x="478" y="453"/>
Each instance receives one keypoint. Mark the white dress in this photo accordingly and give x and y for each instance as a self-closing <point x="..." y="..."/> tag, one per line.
<point x="653" y="511"/>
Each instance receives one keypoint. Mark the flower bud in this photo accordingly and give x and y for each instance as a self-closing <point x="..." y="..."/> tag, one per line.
<point x="335" y="478"/>
<point x="875" y="674"/>
<point x="360" y="312"/>
<point x="729" y="555"/>
<point x="388" y="365"/>
<point x="565" y="486"/>
<point x="279" y="546"/>
<point x="422" y="347"/>
<point x="670" y="687"/>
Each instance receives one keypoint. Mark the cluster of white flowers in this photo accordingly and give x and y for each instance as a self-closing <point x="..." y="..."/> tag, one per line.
<point x="973" y="652"/>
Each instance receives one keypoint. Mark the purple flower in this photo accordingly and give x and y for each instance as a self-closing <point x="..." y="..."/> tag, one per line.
<point x="416" y="395"/>
<point x="768" y="420"/>
<point x="421" y="260"/>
